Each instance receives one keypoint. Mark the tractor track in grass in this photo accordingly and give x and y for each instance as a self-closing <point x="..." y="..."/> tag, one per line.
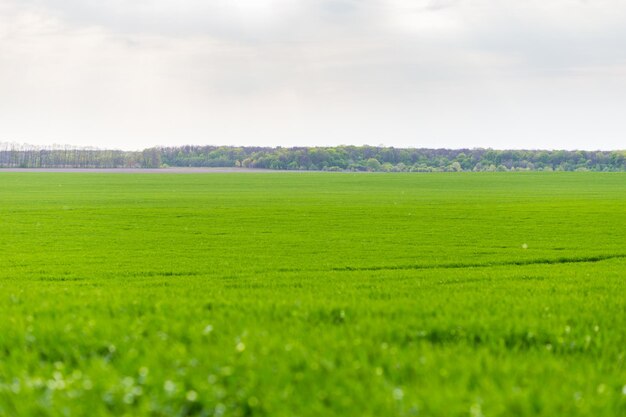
<point x="563" y="260"/>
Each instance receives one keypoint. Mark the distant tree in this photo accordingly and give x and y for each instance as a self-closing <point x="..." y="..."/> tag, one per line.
<point x="372" y="164"/>
<point x="151" y="158"/>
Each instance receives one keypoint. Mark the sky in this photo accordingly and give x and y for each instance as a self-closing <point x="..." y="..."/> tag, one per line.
<point x="504" y="74"/>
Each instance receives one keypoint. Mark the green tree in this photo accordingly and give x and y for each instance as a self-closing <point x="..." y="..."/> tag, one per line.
<point x="372" y="164"/>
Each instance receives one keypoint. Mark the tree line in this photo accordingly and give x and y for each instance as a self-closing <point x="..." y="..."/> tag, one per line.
<point x="336" y="158"/>
<point x="14" y="155"/>
<point x="376" y="158"/>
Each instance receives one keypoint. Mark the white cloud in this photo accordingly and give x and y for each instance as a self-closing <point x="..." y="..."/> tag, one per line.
<point x="401" y="72"/>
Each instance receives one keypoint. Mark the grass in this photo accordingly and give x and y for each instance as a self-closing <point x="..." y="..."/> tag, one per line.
<point x="301" y="294"/>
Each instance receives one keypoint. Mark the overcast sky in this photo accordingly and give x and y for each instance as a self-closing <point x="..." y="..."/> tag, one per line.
<point x="413" y="73"/>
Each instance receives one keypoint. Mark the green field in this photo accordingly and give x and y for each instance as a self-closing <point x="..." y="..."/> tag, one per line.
<point x="311" y="294"/>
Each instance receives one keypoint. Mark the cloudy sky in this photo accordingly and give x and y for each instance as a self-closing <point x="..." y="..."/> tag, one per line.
<point x="413" y="73"/>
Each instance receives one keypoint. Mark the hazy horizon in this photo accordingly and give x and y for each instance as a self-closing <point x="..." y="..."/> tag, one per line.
<point x="129" y="149"/>
<point x="405" y="73"/>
